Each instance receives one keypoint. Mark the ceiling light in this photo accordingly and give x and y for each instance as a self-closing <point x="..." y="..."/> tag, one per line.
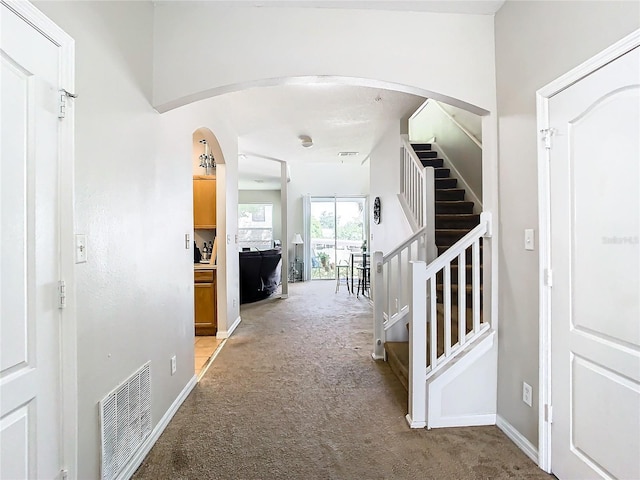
<point x="347" y="154"/>
<point x="305" y="141"/>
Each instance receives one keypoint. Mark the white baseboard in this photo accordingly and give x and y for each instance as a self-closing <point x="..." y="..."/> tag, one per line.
<point x="227" y="333"/>
<point x="466" y="421"/>
<point x="414" y="424"/>
<point x="516" y="437"/>
<point x="133" y="464"/>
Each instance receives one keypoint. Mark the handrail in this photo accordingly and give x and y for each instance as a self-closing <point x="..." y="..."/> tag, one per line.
<point x="471" y="136"/>
<point x="403" y="245"/>
<point x="456" y="249"/>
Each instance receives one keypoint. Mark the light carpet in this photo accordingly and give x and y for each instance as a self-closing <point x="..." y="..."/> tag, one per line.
<point x="295" y="394"/>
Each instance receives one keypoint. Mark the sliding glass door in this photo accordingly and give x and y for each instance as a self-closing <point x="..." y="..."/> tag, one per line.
<point x="337" y="227"/>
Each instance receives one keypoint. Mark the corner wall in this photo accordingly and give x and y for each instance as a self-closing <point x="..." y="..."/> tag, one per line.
<point x="536" y="42"/>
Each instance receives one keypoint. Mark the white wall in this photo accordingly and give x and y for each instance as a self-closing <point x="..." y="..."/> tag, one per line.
<point x="321" y="179"/>
<point x="203" y="49"/>
<point x="465" y="155"/>
<point x="536" y="42"/>
<point x="135" y="293"/>
<point x="385" y="183"/>
<point x="175" y="144"/>
<point x="266" y="196"/>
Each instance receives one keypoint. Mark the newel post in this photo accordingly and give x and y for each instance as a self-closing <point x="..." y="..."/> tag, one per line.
<point x="417" y="416"/>
<point x="377" y="284"/>
<point x="430" y="212"/>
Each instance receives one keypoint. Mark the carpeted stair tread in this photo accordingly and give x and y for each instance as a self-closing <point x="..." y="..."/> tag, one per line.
<point x="421" y="146"/>
<point x="457" y="220"/>
<point x="441" y="172"/>
<point x="398" y="358"/>
<point x="446" y="182"/>
<point x="453" y="206"/>
<point x="449" y="194"/>
<point x="432" y="162"/>
<point x="426" y="154"/>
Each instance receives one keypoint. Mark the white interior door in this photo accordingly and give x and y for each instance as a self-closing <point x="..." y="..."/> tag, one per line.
<point x="30" y="433"/>
<point x="595" y="227"/>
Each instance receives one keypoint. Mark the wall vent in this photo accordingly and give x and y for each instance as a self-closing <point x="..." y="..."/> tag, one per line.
<point x="125" y="417"/>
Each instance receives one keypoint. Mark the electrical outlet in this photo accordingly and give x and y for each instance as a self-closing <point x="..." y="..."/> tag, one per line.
<point x="527" y="393"/>
<point x="235" y="301"/>
<point x="81" y="248"/>
<point x="173" y="365"/>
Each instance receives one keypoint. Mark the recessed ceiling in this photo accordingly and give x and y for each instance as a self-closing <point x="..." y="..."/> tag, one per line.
<point x="338" y="118"/>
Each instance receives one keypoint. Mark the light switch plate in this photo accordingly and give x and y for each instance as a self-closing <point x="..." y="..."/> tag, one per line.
<point x="529" y="239"/>
<point x="81" y="248"/>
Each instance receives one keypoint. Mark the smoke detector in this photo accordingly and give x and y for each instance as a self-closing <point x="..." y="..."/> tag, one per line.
<point x="305" y="141"/>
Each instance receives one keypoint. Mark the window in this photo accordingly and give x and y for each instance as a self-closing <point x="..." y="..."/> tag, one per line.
<point x="255" y="225"/>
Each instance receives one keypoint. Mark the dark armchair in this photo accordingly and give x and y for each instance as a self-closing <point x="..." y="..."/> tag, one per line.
<point x="260" y="273"/>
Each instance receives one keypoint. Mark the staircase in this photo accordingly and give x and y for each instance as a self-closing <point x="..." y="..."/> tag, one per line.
<point x="454" y="218"/>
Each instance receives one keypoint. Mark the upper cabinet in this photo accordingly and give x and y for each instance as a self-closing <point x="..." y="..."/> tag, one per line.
<point x="204" y="201"/>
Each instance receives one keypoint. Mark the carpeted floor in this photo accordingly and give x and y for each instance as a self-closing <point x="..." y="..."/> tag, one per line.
<point x="294" y="394"/>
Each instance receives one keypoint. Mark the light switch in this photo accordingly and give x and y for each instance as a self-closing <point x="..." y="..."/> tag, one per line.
<point x="529" y="239"/>
<point x="81" y="248"/>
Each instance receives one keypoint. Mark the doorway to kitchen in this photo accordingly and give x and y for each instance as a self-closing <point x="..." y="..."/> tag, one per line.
<point x="337" y="228"/>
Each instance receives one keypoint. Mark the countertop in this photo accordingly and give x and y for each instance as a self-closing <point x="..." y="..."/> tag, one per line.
<point x="204" y="266"/>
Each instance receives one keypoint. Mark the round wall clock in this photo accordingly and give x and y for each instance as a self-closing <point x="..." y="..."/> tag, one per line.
<point x="376" y="210"/>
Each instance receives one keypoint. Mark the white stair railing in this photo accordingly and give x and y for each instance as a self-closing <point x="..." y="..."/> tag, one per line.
<point x="417" y="189"/>
<point x="424" y="316"/>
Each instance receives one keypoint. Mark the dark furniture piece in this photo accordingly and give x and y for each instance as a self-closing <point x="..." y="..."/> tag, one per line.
<point x="259" y="274"/>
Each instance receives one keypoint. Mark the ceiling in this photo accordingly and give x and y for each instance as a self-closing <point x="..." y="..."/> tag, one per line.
<point x="338" y="118"/>
<point x="474" y="7"/>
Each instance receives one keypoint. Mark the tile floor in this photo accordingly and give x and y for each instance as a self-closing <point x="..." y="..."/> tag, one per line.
<point x="204" y="348"/>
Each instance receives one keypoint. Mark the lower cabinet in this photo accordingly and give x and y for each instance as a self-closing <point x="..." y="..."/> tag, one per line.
<point x="206" y="321"/>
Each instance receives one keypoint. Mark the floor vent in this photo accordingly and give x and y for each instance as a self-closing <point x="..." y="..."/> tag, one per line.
<point x="125" y="416"/>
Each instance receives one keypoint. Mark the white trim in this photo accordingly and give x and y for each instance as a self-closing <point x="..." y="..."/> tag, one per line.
<point x="516" y="437"/>
<point x="464" y="421"/>
<point x="543" y="95"/>
<point x="135" y="461"/>
<point x="477" y="204"/>
<point x="413" y="424"/>
<point x="229" y="332"/>
<point x="66" y="187"/>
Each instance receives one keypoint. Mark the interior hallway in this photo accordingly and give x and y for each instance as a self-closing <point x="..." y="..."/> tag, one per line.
<point x="294" y="393"/>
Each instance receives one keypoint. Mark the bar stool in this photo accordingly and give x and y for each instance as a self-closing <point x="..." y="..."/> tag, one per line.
<point x="363" y="280"/>
<point x="340" y="270"/>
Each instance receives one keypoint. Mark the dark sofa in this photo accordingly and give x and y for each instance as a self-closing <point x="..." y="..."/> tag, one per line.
<point x="259" y="274"/>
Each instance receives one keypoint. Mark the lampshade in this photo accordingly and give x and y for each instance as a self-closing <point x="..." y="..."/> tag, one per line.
<point x="297" y="240"/>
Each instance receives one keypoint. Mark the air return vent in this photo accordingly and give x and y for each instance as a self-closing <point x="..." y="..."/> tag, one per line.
<point x="125" y="416"/>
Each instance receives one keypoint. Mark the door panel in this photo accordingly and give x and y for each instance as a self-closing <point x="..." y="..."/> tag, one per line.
<point x="595" y="226"/>
<point x="29" y="243"/>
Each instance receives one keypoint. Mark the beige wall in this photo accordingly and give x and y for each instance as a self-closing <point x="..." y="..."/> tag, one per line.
<point x="536" y="42"/>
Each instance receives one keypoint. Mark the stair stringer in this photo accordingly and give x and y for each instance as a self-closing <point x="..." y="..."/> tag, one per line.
<point x="464" y="392"/>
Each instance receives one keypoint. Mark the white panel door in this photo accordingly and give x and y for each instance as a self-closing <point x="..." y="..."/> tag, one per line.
<point x="595" y="228"/>
<point x="30" y="434"/>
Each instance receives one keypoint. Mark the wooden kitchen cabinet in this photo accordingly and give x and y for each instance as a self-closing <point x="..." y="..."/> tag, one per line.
<point x="206" y="318"/>
<point x="204" y="201"/>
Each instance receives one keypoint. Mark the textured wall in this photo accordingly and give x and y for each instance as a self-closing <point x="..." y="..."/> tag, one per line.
<point x="536" y="42"/>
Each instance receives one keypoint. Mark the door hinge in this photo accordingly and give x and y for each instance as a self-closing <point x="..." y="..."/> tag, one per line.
<point x="548" y="413"/>
<point x="62" y="294"/>
<point x="63" y="102"/>
<point x="546" y="134"/>
<point x="548" y="277"/>
<point x="64" y="474"/>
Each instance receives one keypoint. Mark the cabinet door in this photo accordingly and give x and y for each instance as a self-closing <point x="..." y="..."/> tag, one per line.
<point x="204" y="202"/>
<point x="205" y="308"/>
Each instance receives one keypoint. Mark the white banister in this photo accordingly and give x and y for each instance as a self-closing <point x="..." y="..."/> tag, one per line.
<point x="417" y="417"/>
<point x="377" y="280"/>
